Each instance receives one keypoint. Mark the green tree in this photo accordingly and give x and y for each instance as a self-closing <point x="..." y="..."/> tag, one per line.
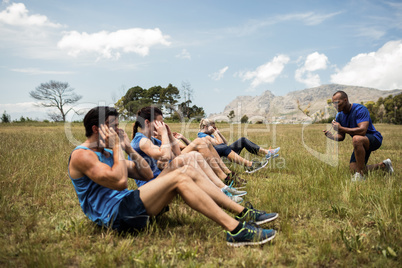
<point x="373" y="110"/>
<point x="244" y="119"/>
<point x="138" y="97"/>
<point x="58" y="95"/>
<point x="5" y="118"/>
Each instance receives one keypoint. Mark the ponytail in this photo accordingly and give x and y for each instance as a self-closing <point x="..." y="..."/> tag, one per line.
<point x="135" y="128"/>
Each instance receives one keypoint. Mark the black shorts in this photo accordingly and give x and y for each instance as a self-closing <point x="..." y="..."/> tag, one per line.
<point x="132" y="214"/>
<point x="374" y="145"/>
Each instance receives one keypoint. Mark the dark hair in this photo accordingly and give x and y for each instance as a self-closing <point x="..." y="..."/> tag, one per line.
<point x="146" y="113"/>
<point x="343" y="94"/>
<point x="97" y="116"/>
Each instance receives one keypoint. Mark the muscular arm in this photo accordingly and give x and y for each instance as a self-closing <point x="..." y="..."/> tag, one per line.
<point x="85" y="162"/>
<point x="361" y="129"/>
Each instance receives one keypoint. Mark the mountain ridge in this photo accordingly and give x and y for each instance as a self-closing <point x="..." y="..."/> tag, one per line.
<point x="270" y="108"/>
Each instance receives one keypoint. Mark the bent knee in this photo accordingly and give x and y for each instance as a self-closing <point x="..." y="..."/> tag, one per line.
<point x="358" y="140"/>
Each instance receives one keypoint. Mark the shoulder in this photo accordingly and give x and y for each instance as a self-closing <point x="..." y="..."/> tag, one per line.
<point x="82" y="155"/>
<point x="360" y="109"/>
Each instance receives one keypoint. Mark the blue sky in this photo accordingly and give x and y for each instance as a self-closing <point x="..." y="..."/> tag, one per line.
<point x="223" y="49"/>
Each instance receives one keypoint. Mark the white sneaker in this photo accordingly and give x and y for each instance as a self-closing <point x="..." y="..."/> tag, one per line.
<point x="358" y="177"/>
<point x="233" y="191"/>
<point x="237" y="199"/>
<point x="388" y="166"/>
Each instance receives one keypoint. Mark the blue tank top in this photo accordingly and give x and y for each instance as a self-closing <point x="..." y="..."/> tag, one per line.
<point x="100" y="204"/>
<point x="135" y="143"/>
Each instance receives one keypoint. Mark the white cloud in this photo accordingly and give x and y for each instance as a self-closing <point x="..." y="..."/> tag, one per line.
<point x="266" y="73"/>
<point x="184" y="54"/>
<point x="381" y="69"/>
<point x="219" y="74"/>
<point x="308" y="18"/>
<point x="16" y="14"/>
<point x="314" y="62"/>
<point x="109" y="45"/>
<point x="35" y="71"/>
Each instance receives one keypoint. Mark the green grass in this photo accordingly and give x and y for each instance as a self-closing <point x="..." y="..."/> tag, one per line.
<point x="325" y="219"/>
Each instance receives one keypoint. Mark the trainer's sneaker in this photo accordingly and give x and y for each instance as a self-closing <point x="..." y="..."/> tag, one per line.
<point x="235" y="181"/>
<point x="257" y="216"/>
<point x="388" y="166"/>
<point x="250" y="234"/>
<point x="233" y="191"/>
<point x="358" y="177"/>
<point x="256" y="166"/>
<point x="272" y="153"/>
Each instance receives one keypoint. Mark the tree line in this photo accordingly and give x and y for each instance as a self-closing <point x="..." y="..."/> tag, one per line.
<point x="386" y="110"/>
<point x="166" y="98"/>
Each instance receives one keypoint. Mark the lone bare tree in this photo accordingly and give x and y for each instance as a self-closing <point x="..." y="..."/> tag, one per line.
<point x="55" y="94"/>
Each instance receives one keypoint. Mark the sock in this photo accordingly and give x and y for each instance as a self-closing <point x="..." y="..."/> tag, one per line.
<point x="237" y="229"/>
<point x="243" y="212"/>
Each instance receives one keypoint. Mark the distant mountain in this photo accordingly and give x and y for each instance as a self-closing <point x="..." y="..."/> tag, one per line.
<point x="284" y="108"/>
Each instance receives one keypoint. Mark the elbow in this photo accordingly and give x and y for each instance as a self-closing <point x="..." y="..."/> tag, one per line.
<point x="149" y="175"/>
<point x="122" y="185"/>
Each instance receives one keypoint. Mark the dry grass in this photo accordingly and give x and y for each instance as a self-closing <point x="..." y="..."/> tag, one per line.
<point x="325" y="220"/>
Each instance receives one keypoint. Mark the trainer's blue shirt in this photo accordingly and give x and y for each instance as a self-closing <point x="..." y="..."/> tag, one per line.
<point x="135" y="143"/>
<point x="100" y="204"/>
<point x="358" y="114"/>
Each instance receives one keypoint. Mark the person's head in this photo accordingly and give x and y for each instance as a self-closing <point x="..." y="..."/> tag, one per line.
<point x="340" y="101"/>
<point x="98" y="116"/>
<point x="205" y="124"/>
<point x="145" y="118"/>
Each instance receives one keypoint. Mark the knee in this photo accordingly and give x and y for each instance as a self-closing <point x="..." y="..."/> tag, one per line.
<point x="185" y="174"/>
<point x="357" y="141"/>
<point x="243" y="139"/>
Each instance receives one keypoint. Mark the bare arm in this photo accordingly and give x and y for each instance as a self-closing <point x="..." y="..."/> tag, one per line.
<point x="182" y="138"/>
<point x="361" y="128"/>
<point x="137" y="168"/>
<point x="173" y="142"/>
<point x="335" y="137"/>
<point x="85" y="162"/>
<point x="218" y="133"/>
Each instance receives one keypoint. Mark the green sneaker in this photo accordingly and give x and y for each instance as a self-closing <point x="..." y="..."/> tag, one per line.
<point x="257" y="216"/>
<point x="250" y="234"/>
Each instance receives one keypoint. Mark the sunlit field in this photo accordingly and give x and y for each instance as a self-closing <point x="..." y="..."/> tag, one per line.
<point x="324" y="218"/>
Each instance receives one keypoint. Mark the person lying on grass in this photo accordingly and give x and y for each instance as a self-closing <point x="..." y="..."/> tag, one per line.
<point x="232" y="151"/>
<point x="99" y="173"/>
<point x="354" y="119"/>
<point x="157" y="151"/>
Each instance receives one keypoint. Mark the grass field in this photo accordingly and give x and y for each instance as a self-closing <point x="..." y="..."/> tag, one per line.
<point x="324" y="219"/>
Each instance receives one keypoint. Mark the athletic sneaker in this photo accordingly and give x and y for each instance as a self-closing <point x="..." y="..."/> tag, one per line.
<point x="250" y="234"/>
<point x="388" y="166"/>
<point x="235" y="181"/>
<point x="257" y="216"/>
<point x="233" y="191"/>
<point x="256" y="166"/>
<point x="272" y="153"/>
<point x="236" y="199"/>
<point x="358" y="177"/>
